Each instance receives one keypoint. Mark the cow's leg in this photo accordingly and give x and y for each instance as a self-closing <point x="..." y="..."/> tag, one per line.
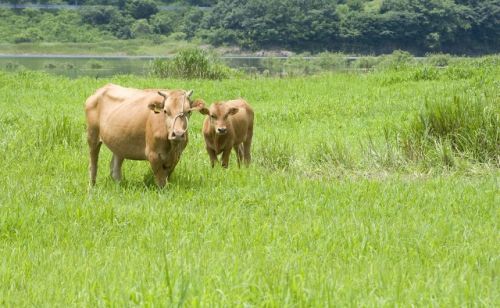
<point x="94" y="147"/>
<point x="247" y="144"/>
<point x="116" y="167"/>
<point x="225" y="157"/>
<point x="213" y="156"/>
<point x="239" y="153"/>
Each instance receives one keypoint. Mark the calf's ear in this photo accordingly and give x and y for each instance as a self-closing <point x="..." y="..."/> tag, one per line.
<point x="204" y="111"/>
<point x="233" y="111"/>
<point x="199" y="105"/>
<point x="156" y="106"/>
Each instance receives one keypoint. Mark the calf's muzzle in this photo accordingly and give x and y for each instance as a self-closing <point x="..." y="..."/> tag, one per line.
<point x="221" y="130"/>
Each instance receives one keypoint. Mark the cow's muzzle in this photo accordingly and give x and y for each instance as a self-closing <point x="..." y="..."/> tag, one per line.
<point x="177" y="135"/>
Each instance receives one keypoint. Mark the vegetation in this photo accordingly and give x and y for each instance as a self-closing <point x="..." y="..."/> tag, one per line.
<point x="331" y="212"/>
<point x="359" y="26"/>
<point x="190" y="64"/>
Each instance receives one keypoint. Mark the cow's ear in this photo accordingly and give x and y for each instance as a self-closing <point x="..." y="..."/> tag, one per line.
<point x="156" y="106"/>
<point x="233" y="111"/>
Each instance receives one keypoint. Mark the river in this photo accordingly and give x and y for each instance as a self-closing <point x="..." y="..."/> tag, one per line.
<point x="104" y="66"/>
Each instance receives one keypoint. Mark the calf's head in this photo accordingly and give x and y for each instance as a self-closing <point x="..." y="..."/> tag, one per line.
<point x="219" y="114"/>
<point x="176" y="106"/>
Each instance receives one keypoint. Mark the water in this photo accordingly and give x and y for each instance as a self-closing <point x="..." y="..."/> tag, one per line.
<point x="78" y="66"/>
<point x="75" y="66"/>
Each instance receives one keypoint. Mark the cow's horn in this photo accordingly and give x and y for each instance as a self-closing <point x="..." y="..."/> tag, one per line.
<point x="164" y="95"/>
<point x="189" y="93"/>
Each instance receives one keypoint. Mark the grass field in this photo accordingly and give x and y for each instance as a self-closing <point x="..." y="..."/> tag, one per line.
<point x="331" y="213"/>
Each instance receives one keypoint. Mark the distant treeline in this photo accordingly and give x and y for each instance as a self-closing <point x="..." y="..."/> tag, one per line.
<point x="360" y="26"/>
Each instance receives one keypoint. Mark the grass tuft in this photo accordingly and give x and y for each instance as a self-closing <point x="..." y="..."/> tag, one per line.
<point x="468" y="127"/>
<point x="274" y="154"/>
<point x="331" y="154"/>
<point x="60" y="131"/>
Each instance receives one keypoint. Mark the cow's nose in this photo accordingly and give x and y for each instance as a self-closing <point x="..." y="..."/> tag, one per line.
<point x="221" y="130"/>
<point x="178" y="134"/>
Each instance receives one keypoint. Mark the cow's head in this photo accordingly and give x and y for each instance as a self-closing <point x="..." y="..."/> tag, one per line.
<point x="177" y="107"/>
<point x="218" y="114"/>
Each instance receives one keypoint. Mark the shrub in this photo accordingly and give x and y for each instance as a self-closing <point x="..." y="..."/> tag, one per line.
<point x="29" y="35"/>
<point x="190" y="64"/>
<point x="94" y="64"/>
<point x="440" y="60"/>
<point x="397" y="60"/>
<point x="141" y="28"/>
<point x="366" y="63"/>
<point x="49" y="65"/>
<point x="177" y="36"/>
<point x="299" y="66"/>
<point x="99" y="14"/>
<point x="164" y="22"/>
<point x="327" y="61"/>
<point x="12" y="65"/>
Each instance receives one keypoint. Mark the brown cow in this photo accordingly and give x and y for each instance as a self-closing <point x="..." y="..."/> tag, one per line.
<point x="139" y="125"/>
<point x="229" y="125"/>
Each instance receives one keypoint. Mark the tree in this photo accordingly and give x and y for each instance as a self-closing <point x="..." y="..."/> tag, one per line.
<point x="141" y="9"/>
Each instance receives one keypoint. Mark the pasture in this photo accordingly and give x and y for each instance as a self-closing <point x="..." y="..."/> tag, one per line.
<point x="330" y="213"/>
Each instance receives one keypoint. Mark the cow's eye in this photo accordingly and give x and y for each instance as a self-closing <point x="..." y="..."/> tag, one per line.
<point x="213" y="117"/>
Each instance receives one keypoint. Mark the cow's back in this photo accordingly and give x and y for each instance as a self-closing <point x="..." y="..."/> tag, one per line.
<point x="120" y="116"/>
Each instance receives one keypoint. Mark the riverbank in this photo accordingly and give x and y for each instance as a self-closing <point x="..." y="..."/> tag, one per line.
<point x="135" y="47"/>
<point x="163" y="47"/>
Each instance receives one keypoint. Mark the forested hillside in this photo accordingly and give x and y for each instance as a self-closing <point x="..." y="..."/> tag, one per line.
<point x="361" y="26"/>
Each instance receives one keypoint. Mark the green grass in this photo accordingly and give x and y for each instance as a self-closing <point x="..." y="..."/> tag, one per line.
<point x="326" y="215"/>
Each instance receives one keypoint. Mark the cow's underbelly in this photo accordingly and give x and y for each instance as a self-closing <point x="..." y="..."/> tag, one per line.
<point x="127" y="145"/>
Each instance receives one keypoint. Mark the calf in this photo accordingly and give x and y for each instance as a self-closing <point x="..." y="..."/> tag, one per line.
<point x="229" y="125"/>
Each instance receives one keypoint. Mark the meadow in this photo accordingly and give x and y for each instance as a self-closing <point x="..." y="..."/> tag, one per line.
<point x="345" y="204"/>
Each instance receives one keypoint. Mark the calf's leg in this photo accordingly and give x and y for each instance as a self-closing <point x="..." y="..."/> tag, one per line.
<point x="213" y="156"/>
<point x="247" y="144"/>
<point x="225" y="157"/>
<point x="239" y="153"/>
